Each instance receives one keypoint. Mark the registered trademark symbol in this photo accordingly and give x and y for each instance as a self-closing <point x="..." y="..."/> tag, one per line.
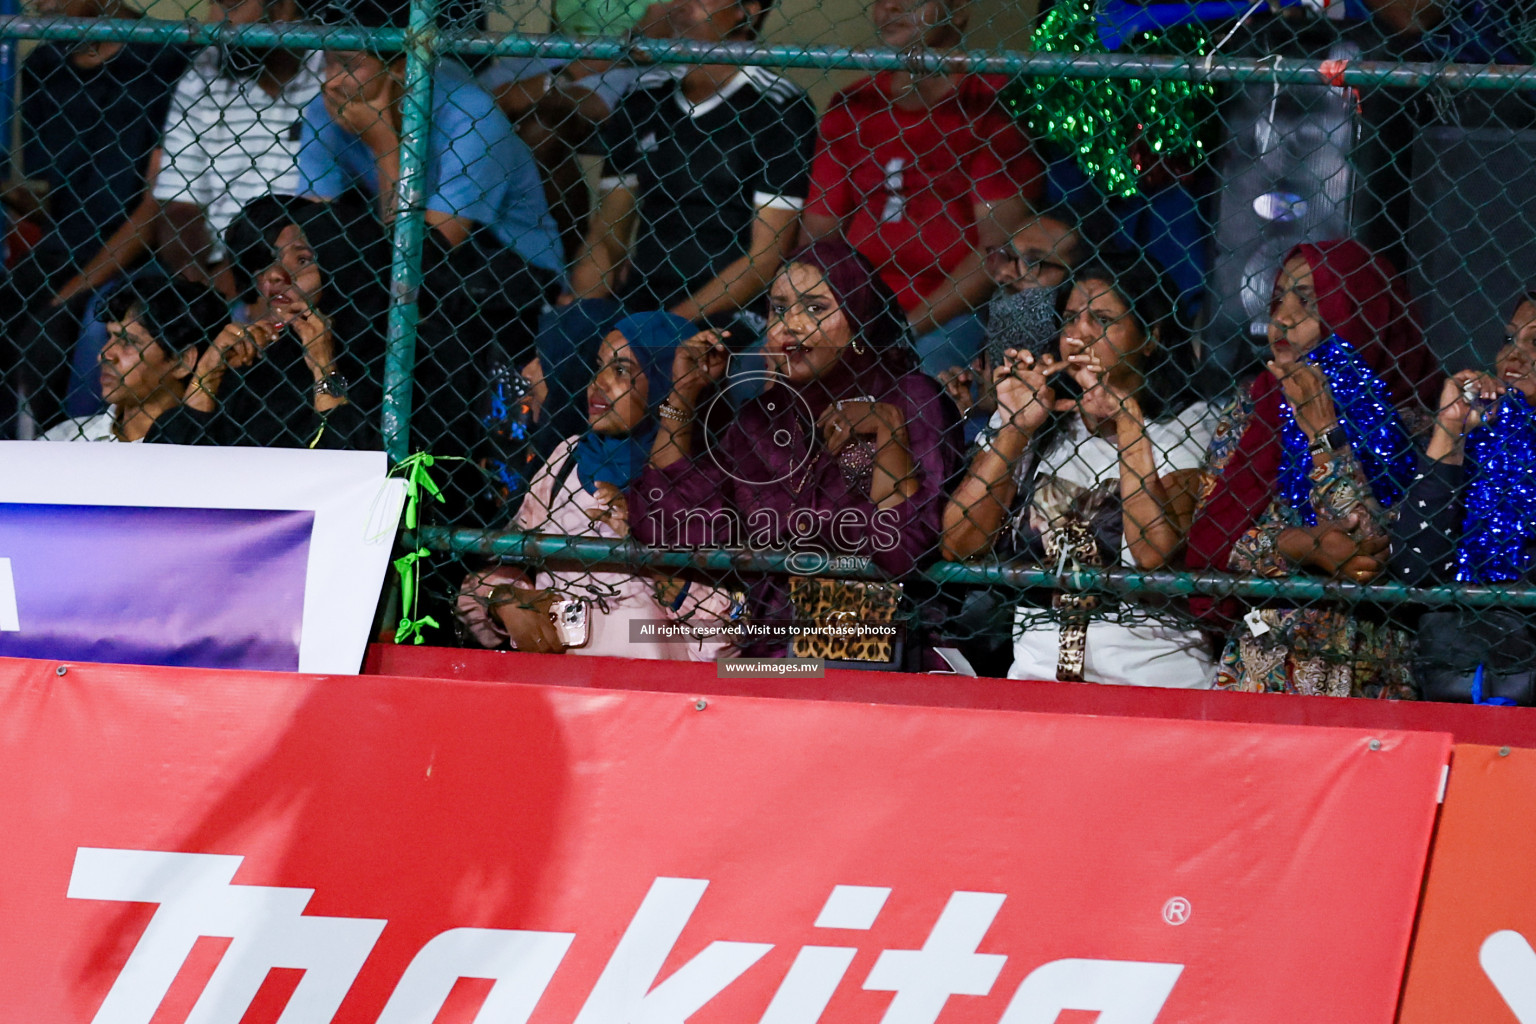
<point x="1177" y="910"/>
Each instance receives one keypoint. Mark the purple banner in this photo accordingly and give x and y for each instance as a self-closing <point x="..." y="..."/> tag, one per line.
<point x="208" y="588"/>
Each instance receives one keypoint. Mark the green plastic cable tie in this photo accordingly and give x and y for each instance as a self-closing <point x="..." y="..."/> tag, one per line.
<point x="417" y="479"/>
<point x="409" y="568"/>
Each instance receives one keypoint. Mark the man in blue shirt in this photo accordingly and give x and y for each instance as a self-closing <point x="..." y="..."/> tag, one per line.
<point x="479" y="173"/>
<point x="492" y="254"/>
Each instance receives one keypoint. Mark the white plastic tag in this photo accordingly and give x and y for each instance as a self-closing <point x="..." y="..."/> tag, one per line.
<point x="958" y="663"/>
<point x="1256" y="624"/>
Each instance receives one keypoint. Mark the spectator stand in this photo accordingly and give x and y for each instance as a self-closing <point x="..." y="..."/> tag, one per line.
<point x="1290" y="216"/>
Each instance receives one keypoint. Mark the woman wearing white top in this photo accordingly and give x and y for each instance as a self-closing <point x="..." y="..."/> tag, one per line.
<point x="1108" y="477"/>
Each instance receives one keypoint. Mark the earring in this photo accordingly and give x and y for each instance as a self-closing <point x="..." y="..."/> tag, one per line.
<point x="858" y="349"/>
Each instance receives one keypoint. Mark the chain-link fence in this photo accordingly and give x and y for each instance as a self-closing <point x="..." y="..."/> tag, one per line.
<point x="1194" y="346"/>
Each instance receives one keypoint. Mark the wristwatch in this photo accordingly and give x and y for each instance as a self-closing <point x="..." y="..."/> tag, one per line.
<point x="333" y="385"/>
<point x="1330" y="440"/>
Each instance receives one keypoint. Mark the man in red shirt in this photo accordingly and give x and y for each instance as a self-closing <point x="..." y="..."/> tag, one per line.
<point x="923" y="174"/>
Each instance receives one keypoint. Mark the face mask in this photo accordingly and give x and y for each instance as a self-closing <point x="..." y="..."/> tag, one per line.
<point x="1025" y="320"/>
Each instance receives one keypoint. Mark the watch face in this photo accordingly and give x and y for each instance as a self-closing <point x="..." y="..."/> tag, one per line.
<point x="1329" y="440"/>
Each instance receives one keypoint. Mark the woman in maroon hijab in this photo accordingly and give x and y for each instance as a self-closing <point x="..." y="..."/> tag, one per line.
<point x="1304" y="467"/>
<point x="846" y="453"/>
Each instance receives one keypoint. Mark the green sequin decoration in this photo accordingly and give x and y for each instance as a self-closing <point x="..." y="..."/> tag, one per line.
<point x="1102" y="120"/>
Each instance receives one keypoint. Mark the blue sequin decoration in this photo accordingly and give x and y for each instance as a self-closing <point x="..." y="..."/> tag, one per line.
<point x="1500" y="497"/>
<point x="1376" y="435"/>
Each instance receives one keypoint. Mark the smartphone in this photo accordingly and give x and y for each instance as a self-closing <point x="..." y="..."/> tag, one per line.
<point x="572" y="618"/>
<point x="1472" y="395"/>
<point x="1024" y="320"/>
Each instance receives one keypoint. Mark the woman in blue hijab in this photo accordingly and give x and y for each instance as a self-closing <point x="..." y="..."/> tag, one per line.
<point x="579" y="491"/>
<point x="634" y="374"/>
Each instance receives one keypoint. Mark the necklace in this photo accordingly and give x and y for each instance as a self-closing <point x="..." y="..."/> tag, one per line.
<point x="810" y="463"/>
<point x="810" y="466"/>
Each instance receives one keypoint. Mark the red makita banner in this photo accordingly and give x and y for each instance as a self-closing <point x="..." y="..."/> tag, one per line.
<point x="240" y="848"/>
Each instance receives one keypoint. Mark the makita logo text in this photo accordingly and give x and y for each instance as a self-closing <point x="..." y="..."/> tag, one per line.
<point x="268" y="929"/>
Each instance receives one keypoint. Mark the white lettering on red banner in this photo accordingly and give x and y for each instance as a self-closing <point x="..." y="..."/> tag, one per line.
<point x="1122" y="991"/>
<point x="1510" y="963"/>
<point x="948" y="964"/>
<point x="197" y="897"/>
<point x="520" y="963"/>
<point x="623" y="993"/>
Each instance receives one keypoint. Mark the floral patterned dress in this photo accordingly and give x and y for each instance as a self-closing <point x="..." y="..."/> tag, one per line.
<point x="1325" y="650"/>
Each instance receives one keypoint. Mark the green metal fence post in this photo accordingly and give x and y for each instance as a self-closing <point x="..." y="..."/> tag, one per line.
<point x="410" y="227"/>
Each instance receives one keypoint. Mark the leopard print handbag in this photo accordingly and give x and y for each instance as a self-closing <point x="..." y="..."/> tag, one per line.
<point x="1065" y="515"/>
<point x="852" y="621"/>
<point x="1075" y="539"/>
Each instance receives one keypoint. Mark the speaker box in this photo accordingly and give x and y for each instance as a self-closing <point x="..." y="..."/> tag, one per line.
<point x="1473" y="233"/>
<point x="1287" y="172"/>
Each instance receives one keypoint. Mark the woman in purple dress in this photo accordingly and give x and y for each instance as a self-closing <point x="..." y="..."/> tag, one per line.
<point x="843" y="456"/>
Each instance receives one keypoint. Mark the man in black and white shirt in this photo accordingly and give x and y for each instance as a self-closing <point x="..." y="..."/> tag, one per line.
<point x="711" y="169"/>
<point x="233" y="131"/>
<point x="716" y="183"/>
<point x="232" y="134"/>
